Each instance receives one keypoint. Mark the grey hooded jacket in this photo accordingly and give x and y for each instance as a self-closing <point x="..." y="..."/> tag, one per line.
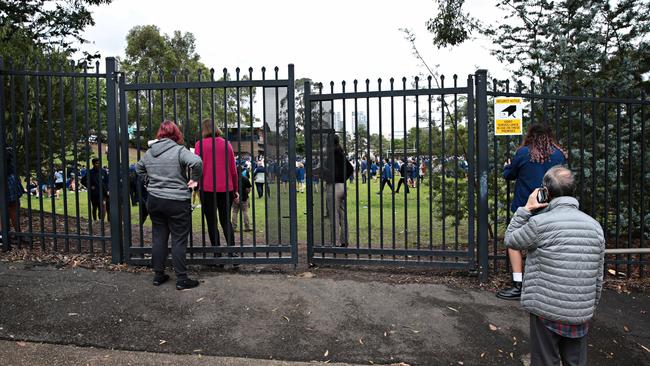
<point x="564" y="266"/>
<point x="165" y="165"/>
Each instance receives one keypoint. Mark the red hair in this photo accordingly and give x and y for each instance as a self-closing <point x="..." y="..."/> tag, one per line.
<point x="169" y="130"/>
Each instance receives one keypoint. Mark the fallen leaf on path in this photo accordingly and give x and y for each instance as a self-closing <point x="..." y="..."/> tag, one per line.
<point x="493" y="327"/>
<point x="482" y="354"/>
<point x="327" y="352"/>
<point x="512" y="355"/>
<point x="625" y="328"/>
<point x="274" y="310"/>
<point x="644" y="347"/>
<point x="73" y="314"/>
<point x="162" y="341"/>
<point x="200" y="299"/>
<point x="452" y="309"/>
<point x="306" y="275"/>
<point x="612" y="272"/>
<point x="285" y="318"/>
<point x="197" y="350"/>
<point x="21" y="344"/>
<point x="461" y="363"/>
<point x="361" y="340"/>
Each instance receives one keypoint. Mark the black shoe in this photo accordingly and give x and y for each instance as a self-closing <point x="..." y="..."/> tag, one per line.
<point x="186" y="283"/>
<point x="512" y="293"/>
<point x="160" y="279"/>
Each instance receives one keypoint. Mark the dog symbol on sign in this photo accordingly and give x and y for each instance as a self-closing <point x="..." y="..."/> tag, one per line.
<point x="509" y="111"/>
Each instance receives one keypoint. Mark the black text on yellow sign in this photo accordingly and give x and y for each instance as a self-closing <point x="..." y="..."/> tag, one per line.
<point x="508" y="116"/>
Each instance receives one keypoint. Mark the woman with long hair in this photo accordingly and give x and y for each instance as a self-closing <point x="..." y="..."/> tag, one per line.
<point x="220" y="182"/>
<point x="538" y="153"/>
<point x="164" y="166"/>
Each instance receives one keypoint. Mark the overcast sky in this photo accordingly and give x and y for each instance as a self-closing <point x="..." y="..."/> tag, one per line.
<point x="333" y="40"/>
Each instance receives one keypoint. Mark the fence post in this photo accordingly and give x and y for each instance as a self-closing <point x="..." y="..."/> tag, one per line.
<point x="482" y="172"/>
<point x="113" y="161"/>
<point x="291" y="115"/>
<point x="4" y="210"/>
<point x="309" y="172"/>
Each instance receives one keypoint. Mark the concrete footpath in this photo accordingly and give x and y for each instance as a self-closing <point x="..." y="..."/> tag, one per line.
<point x="255" y="319"/>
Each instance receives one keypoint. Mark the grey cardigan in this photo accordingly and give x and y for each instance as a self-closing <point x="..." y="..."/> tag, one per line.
<point x="564" y="266"/>
<point x="165" y="164"/>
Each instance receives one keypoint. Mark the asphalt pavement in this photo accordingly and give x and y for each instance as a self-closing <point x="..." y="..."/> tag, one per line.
<point x="99" y="317"/>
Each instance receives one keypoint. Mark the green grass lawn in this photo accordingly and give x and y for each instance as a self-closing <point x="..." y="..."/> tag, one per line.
<point x="368" y="216"/>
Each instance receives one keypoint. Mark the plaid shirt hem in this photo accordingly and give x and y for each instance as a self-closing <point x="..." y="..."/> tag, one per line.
<point x="566" y="330"/>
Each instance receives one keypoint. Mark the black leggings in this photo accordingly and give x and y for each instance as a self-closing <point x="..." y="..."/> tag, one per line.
<point x="208" y="203"/>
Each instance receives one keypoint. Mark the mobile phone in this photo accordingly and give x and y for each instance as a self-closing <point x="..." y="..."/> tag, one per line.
<point x="542" y="195"/>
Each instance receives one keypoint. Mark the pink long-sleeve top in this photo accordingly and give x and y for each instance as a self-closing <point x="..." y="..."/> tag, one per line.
<point x="212" y="152"/>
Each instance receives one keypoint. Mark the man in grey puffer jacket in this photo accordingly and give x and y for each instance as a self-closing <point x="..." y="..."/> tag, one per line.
<point x="564" y="269"/>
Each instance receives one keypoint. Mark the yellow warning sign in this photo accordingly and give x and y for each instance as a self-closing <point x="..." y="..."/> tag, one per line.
<point x="507" y="116"/>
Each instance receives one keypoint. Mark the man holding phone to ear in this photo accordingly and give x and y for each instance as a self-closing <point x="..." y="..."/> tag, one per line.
<point x="564" y="269"/>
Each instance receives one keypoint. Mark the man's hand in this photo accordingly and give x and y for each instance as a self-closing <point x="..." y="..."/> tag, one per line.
<point x="192" y="184"/>
<point x="532" y="205"/>
<point x="236" y="200"/>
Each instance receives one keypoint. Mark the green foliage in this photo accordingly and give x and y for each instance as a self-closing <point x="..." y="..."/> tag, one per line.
<point x="451" y="26"/>
<point x="155" y="57"/>
<point x="33" y="27"/>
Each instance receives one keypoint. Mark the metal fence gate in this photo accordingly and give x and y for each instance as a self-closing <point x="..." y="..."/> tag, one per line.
<point x="365" y="221"/>
<point x="261" y="141"/>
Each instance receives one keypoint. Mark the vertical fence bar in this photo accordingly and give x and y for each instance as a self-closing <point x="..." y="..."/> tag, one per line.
<point x="482" y="154"/>
<point x="403" y="168"/>
<point x="293" y="205"/>
<point x="309" y="172"/>
<point x="3" y="166"/>
<point x="630" y="220"/>
<point x="495" y="197"/>
<point x="75" y="156"/>
<point x="443" y="166"/>
<point x="368" y="169"/>
<point x="618" y="180"/>
<point x="88" y="156"/>
<point x="357" y="167"/>
<point x="14" y="133"/>
<point x="64" y="171"/>
<point x="253" y="160"/>
<point x="50" y="151"/>
<point x="471" y="168"/>
<point x="113" y="161"/>
<point x="27" y="149"/>
<point x="125" y="194"/>
<point x="430" y="164"/>
<point x="643" y="180"/>
<point x="417" y="163"/>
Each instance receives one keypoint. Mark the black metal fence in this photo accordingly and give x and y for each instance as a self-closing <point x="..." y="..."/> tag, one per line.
<point x="369" y="221"/>
<point x="605" y="139"/>
<point x="432" y="139"/>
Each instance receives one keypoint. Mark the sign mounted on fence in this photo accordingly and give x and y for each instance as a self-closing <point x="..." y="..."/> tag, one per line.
<point x="507" y="116"/>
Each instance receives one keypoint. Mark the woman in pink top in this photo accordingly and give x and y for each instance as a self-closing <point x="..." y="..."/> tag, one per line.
<point x="220" y="181"/>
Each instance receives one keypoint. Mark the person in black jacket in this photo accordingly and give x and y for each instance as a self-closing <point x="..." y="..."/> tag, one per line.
<point x="336" y="171"/>
<point x="403" y="172"/>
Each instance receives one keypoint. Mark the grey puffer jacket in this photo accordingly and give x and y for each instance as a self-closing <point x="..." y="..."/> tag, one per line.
<point x="564" y="266"/>
<point x="165" y="164"/>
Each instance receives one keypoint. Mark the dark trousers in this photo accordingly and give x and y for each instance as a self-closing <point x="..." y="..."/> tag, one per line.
<point x="384" y="182"/>
<point x="548" y="347"/>
<point x="399" y="185"/>
<point x="213" y="203"/>
<point x="99" y="209"/>
<point x="169" y="217"/>
<point x="260" y="189"/>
